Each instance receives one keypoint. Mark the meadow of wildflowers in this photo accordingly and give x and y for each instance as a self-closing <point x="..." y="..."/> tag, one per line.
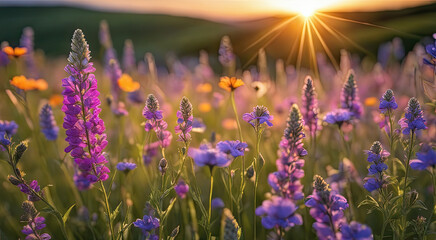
<point x="114" y="148"/>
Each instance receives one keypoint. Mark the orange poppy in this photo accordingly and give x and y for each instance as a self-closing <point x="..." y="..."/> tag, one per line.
<point x="14" y="52"/>
<point x="371" y="101"/>
<point x="127" y="84"/>
<point x="25" y="84"/>
<point x="230" y="84"/>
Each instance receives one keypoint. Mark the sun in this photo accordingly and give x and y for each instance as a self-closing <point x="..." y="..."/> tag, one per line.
<point x="306" y="8"/>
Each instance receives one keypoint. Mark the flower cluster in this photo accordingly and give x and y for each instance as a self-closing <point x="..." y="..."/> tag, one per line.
<point x="147" y="224"/>
<point x="184" y="120"/>
<point x="35" y="223"/>
<point x="30" y="190"/>
<point x="126" y="166"/>
<point x="233" y="148"/>
<point x="84" y="128"/>
<point x="413" y="119"/>
<point x="259" y="116"/>
<point x="431" y="50"/>
<point x="310" y="106"/>
<point x="23" y="83"/>
<point x="327" y="208"/>
<point x="376" y="156"/>
<point x="279" y="212"/>
<point x="338" y="116"/>
<point x="387" y="102"/>
<point x="155" y="121"/>
<point x="7" y="130"/>
<point x="181" y="189"/>
<point x="48" y="124"/>
<point x="349" y="96"/>
<point x="425" y="158"/>
<point x="356" y="231"/>
<point x="226" y="55"/>
<point x="206" y="155"/>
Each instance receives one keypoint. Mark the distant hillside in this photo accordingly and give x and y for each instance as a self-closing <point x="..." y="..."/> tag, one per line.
<point x="163" y="34"/>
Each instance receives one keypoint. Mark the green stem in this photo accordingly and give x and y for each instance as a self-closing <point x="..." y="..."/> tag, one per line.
<point x="256" y="178"/>
<point x="409" y="155"/>
<point x="209" y="234"/>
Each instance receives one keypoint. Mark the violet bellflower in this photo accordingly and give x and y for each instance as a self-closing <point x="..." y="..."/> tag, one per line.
<point x="279" y="212"/>
<point x="233" y="148"/>
<point x="147" y="224"/>
<point x="205" y="155"/>
<point x="184" y="120"/>
<point x="356" y="231"/>
<point x="310" y="106"/>
<point x="48" y="124"/>
<point x="349" y="96"/>
<point x="326" y="207"/>
<point x="84" y="128"/>
<point x="258" y="116"/>
<point x="376" y="156"/>
<point x="413" y="120"/>
<point x="338" y="116"/>
<point x="425" y="158"/>
<point x="155" y="121"/>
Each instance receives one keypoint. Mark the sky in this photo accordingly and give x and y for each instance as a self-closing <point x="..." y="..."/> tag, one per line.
<point x="226" y="9"/>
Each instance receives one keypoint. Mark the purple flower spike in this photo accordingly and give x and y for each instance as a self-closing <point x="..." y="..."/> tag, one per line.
<point x="310" y="106"/>
<point x="48" y="124"/>
<point x="413" y="119"/>
<point x="184" y="120"/>
<point x="376" y="156"/>
<point x="27" y="189"/>
<point x="226" y="55"/>
<point x="208" y="156"/>
<point x="234" y="148"/>
<point x="425" y="158"/>
<point x="349" y="96"/>
<point x="129" y="61"/>
<point x="259" y="116"/>
<point x="327" y="209"/>
<point x="356" y="231"/>
<point x="181" y="189"/>
<point x="279" y="212"/>
<point x="387" y="102"/>
<point x="155" y="121"/>
<point x="84" y="128"/>
<point x="26" y="41"/>
<point x="114" y="73"/>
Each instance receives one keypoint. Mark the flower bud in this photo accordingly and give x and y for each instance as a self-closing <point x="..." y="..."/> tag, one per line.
<point x="163" y="165"/>
<point x="249" y="173"/>
<point x="19" y="150"/>
<point x="13" y="180"/>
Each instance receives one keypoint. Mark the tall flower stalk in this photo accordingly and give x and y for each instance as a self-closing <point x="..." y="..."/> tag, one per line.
<point x="84" y="128"/>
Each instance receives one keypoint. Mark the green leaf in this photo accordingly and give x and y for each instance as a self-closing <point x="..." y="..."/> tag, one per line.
<point x="67" y="213"/>
<point x="115" y="213"/>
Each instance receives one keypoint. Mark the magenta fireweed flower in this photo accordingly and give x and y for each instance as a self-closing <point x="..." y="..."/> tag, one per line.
<point x="28" y="190"/>
<point x="225" y="52"/>
<point x="310" y="106"/>
<point x="234" y="148"/>
<point x="327" y="209"/>
<point x="184" y="120"/>
<point x="205" y="155"/>
<point x="356" y="231"/>
<point x="387" y="102"/>
<point x="413" y="119"/>
<point x="84" y="128"/>
<point x="147" y="224"/>
<point x="129" y="61"/>
<point x="26" y="41"/>
<point x="338" y="116"/>
<point x="259" y="116"/>
<point x="181" y="189"/>
<point x="279" y="212"/>
<point x="426" y="158"/>
<point x="376" y="156"/>
<point x="155" y="121"/>
<point x="48" y="124"/>
<point x="349" y="96"/>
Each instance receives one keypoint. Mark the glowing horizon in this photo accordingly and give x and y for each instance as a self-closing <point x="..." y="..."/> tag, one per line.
<point x="225" y="9"/>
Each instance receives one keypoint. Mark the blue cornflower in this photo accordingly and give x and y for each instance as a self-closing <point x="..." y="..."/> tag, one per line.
<point x="208" y="156"/>
<point x="279" y="212"/>
<point x="48" y="124"/>
<point x="376" y="156"/>
<point x="413" y="119"/>
<point x="217" y="203"/>
<point x="338" y="116"/>
<point x="425" y="158"/>
<point x="356" y="231"/>
<point x="387" y="102"/>
<point x="126" y="166"/>
<point x="234" y="148"/>
<point x="147" y="224"/>
<point x="259" y="116"/>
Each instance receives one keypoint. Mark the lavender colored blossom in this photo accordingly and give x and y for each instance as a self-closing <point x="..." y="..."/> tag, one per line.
<point x="7" y="130"/>
<point x="225" y="52"/>
<point x="84" y="128"/>
<point x="184" y="120"/>
<point x="349" y="96"/>
<point x="387" y="102"/>
<point x="259" y="116"/>
<point x="48" y="124"/>
<point x="126" y="166"/>
<point x="376" y="156"/>
<point x="413" y="119"/>
<point x="129" y="61"/>
<point x="217" y="203"/>
<point x="208" y="156"/>
<point x="279" y="212"/>
<point x="155" y="121"/>
<point x="29" y="189"/>
<point x="327" y="209"/>
<point x="425" y="158"/>
<point x="356" y="231"/>
<point x="33" y="229"/>
<point x="431" y="50"/>
<point x="181" y="189"/>
<point x="147" y="224"/>
<point x="234" y="148"/>
<point x="338" y="116"/>
<point x="150" y="150"/>
<point x="26" y="41"/>
<point x="310" y="106"/>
